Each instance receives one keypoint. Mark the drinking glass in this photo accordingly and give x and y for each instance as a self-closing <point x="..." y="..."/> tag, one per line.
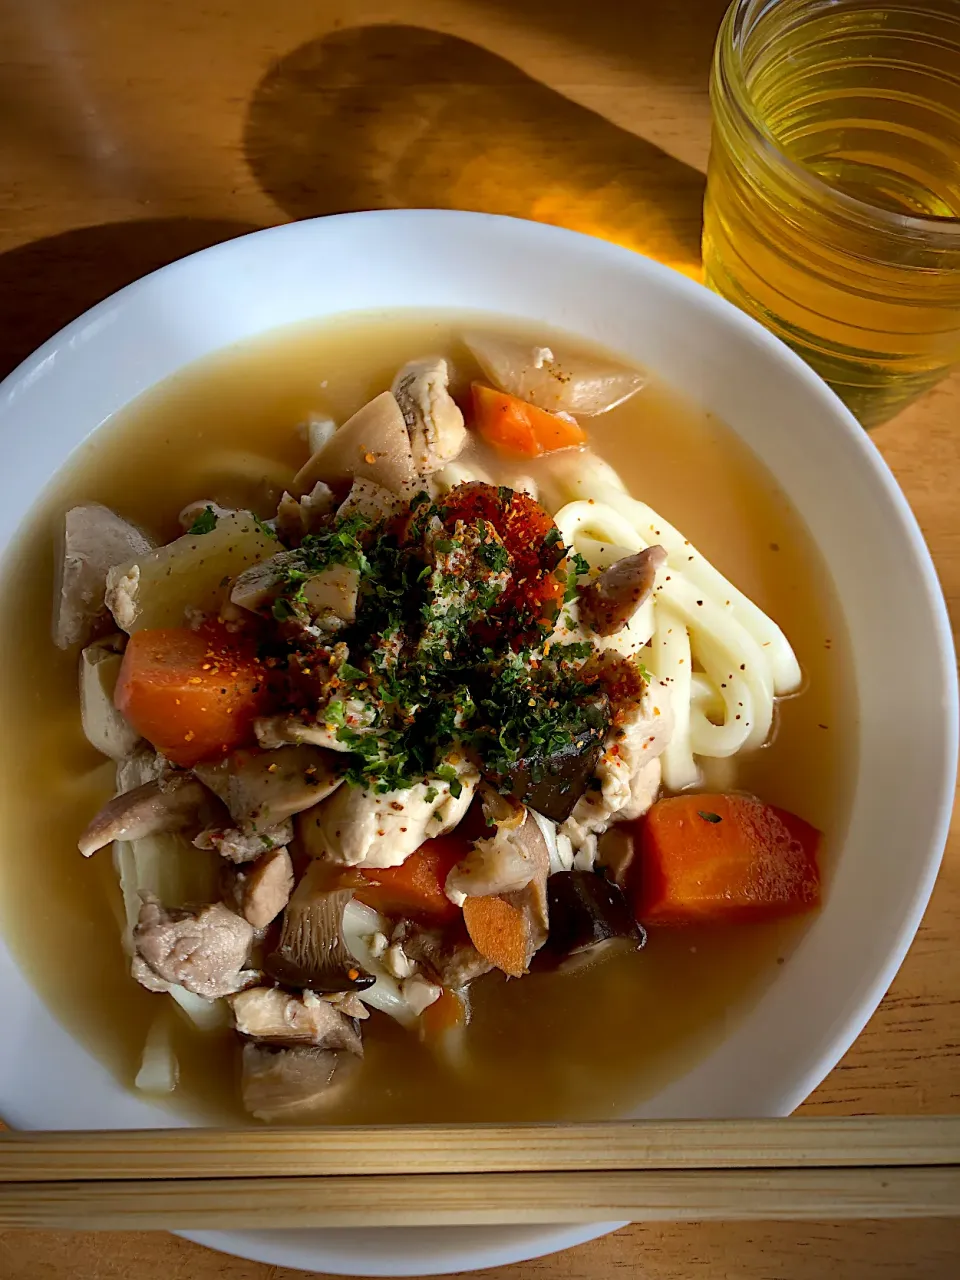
<point x="833" y="189"/>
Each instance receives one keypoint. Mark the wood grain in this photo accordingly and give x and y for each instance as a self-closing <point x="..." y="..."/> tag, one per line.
<point x="582" y="1148"/>
<point x="484" y="1199"/>
<point x="134" y="131"/>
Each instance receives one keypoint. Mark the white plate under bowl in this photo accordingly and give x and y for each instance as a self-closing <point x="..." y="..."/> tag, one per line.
<point x="906" y="684"/>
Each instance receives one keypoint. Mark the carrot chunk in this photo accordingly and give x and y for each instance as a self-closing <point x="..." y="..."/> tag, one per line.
<point x="513" y="426"/>
<point x="498" y="930"/>
<point x="722" y="859"/>
<point x="414" y="890"/>
<point x="449" y="1013"/>
<point x="193" y="694"/>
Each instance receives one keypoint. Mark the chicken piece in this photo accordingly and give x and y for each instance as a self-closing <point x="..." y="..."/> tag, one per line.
<point x="365" y="828"/>
<point x="244" y="846"/>
<point x="170" y="804"/>
<point x="145" y="765"/>
<point x="94" y="540"/>
<point x="616" y="847"/>
<point x="286" y="1084"/>
<point x="348" y="1003"/>
<point x="372" y="445"/>
<point x="263" y="788"/>
<point x="435" y="423"/>
<point x="278" y="731"/>
<point x="628" y="771"/>
<point x="609" y="602"/>
<point x="295" y="520"/>
<point x="203" y="950"/>
<point x="275" y="1017"/>
<point x="262" y="892"/>
<point x="445" y="955"/>
<point x="503" y="863"/>
<point x="103" y="725"/>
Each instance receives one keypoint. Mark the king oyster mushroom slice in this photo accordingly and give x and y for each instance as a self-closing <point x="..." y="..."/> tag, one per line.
<point x="103" y="725"/>
<point x="372" y="445"/>
<point x="272" y="1016"/>
<point x="505" y="862"/>
<point x="311" y="952"/>
<point x="169" y="804"/>
<point x="551" y="378"/>
<point x="435" y="423"/>
<point x="263" y="788"/>
<point x="94" y="540"/>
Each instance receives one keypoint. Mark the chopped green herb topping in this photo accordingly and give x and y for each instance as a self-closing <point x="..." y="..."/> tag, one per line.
<point x="205" y="522"/>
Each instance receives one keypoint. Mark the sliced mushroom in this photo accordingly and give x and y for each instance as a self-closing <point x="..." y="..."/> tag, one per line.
<point x="284" y="1084"/>
<point x="373" y="444"/>
<point x="435" y="423"/>
<point x="94" y="540"/>
<point x="609" y="602"/>
<point x="103" y="725"/>
<point x="264" y="891"/>
<point x="167" y="805"/>
<point x="589" y="917"/>
<point x="276" y="1017"/>
<point x="553" y="379"/>
<point x="553" y="784"/>
<point x="311" y="951"/>
<point x="263" y="788"/>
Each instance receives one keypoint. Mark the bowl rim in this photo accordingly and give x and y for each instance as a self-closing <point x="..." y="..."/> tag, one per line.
<point x="539" y="1240"/>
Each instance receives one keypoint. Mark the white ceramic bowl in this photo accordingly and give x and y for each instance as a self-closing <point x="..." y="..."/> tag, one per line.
<point x="821" y="998"/>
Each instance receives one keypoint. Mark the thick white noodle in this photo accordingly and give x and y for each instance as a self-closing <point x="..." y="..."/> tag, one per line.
<point x="671" y="662"/>
<point x="582" y="476"/>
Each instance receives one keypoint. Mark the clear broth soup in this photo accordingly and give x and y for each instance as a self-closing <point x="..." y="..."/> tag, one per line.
<point x="590" y="1044"/>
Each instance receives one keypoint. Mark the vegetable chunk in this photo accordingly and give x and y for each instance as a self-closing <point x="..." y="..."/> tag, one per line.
<point x="193" y="694"/>
<point x="513" y="426"/>
<point x="723" y="859"/>
<point x="195" y="572"/>
<point x="414" y="890"/>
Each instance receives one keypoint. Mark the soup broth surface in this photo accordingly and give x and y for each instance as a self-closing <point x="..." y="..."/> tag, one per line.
<point x="591" y="1044"/>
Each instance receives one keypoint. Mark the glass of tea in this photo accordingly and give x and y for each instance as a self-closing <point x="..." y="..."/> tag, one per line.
<point x="832" y="211"/>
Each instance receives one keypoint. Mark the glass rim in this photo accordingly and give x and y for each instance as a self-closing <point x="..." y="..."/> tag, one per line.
<point x="728" y="65"/>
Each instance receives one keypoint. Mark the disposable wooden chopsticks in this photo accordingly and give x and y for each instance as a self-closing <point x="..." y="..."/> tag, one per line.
<point x="861" y="1167"/>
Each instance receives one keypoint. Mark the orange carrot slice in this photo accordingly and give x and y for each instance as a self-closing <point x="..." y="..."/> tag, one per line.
<point x="513" y="426"/>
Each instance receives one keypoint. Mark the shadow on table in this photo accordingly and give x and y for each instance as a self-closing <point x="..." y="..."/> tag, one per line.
<point x="48" y="283"/>
<point x="398" y="116"/>
<point x="667" y="40"/>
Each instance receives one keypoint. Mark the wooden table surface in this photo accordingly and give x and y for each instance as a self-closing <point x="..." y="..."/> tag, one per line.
<point x="135" y="131"/>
